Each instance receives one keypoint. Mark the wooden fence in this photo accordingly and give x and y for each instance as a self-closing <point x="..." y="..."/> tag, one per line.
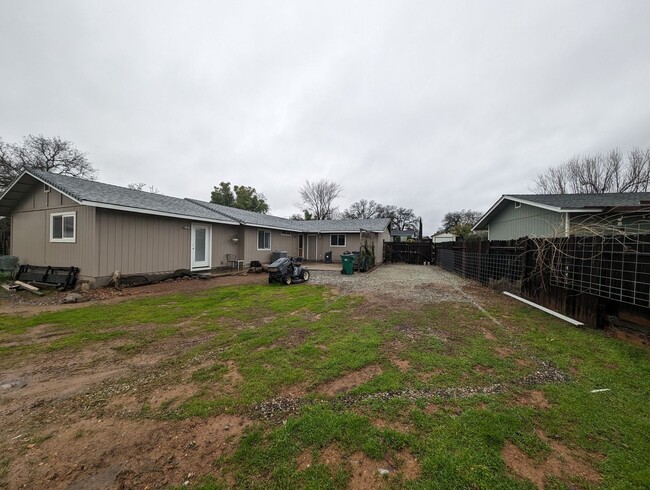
<point x="409" y="252"/>
<point x="598" y="280"/>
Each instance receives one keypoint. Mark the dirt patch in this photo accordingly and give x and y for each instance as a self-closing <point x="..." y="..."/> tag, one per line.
<point x="479" y="368"/>
<point x="395" y="425"/>
<point x="402" y="364"/>
<point x="150" y="453"/>
<point x="233" y="376"/>
<point x="367" y="473"/>
<point x="503" y="352"/>
<point x="306" y="314"/>
<point x="331" y="456"/>
<point x="349" y="381"/>
<point x="428" y="375"/>
<point x="535" y="399"/>
<point x="487" y="334"/>
<point x="303" y="461"/>
<point x="294" y="338"/>
<point x="28" y="304"/>
<point x="563" y="463"/>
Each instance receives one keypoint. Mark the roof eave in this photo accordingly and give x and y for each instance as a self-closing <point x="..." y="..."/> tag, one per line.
<point x="155" y="213"/>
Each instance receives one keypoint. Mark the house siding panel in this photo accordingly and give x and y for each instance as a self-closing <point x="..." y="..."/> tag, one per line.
<point x="31" y="232"/>
<point x="279" y="243"/>
<point x="222" y="243"/>
<point x="132" y="243"/>
<point x="511" y="223"/>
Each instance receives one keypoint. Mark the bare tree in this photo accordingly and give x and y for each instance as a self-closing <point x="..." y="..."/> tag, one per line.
<point x="595" y="174"/>
<point x="141" y="186"/>
<point x="362" y="209"/>
<point x="318" y="198"/>
<point x="40" y="153"/>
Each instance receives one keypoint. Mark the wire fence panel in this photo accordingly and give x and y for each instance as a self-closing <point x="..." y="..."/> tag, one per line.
<point x="613" y="267"/>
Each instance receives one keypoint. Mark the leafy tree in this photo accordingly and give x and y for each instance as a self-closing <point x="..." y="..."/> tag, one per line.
<point x="223" y="195"/>
<point x="242" y="197"/>
<point x="40" y="153"/>
<point x="318" y="198"/>
<point x="595" y="174"/>
<point x="460" y="222"/>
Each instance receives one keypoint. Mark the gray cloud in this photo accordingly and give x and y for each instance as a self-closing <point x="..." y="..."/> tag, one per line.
<point x="430" y="105"/>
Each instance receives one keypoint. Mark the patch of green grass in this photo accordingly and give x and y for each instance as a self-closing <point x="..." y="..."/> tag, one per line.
<point x="263" y="341"/>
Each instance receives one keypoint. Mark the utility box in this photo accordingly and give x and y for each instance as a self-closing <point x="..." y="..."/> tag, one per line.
<point x="8" y="263"/>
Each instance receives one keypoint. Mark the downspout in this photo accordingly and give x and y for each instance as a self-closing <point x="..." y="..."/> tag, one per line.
<point x="567" y="225"/>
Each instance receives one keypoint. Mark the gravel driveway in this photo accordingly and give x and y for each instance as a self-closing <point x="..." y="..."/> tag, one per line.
<point x="420" y="283"/>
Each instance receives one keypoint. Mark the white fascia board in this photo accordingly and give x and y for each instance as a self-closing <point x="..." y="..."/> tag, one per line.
<point x="255" y="225"/>
<point x="553" y="208"/>
<point x="534" y="204"/>
<point x="156" y="213"/>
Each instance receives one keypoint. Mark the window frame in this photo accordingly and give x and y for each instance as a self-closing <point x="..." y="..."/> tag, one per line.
<point x="285" y="233"/>
<point x="345" y="240"/>
<point x="258" y="239"/>
<point x="63" y="238"/>
<point x="517" y="205"/>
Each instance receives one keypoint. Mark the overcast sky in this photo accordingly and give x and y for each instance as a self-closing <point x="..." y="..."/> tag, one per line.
<point x="434" y="106"/>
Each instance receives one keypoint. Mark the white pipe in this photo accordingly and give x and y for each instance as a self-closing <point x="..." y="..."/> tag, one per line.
<point x="546" y="310"/>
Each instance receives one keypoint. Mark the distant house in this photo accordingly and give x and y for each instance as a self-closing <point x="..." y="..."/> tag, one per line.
<point x="403" y="235"/>
<point x="551" y="215"/>
<point x="443" y="237"/>
<point x="61" y="221"/>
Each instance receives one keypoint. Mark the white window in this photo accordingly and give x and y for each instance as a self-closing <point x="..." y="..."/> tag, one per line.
<point x="285" y="233"/>
<point x="263" y="240"/>
<point x="517" y="205"/>
<point x="63" y="227"/>
<point x="337" y="240"/>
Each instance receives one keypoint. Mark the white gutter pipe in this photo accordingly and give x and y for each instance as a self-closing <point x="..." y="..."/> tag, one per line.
<point x="545" y="310"/>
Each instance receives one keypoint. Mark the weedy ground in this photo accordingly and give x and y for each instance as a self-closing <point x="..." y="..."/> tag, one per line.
<point x="258" y="386"/>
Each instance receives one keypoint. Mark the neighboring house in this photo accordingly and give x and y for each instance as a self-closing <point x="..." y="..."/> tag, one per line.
<point x="551" y="215"/>
<point x="403" y="235"/>
<point x="62" y="221"/>
<point x="443" y="237"/>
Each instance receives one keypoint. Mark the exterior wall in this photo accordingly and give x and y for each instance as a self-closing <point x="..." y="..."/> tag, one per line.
<point x="30" y="232"/>
<point x="223" y="244"/>
<point x="612" y="224"/>
<point x="135" y="243"/>
<point x="379" y="245"/>
<point x="279" y="243"/>
<point x="511" y="223"/>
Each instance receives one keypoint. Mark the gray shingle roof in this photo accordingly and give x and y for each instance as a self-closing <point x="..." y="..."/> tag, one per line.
<point x="248" y="217"/>
<point x="576" y="201"/>
<point x="97" y="193"/>
<point x="113" y="195"/>
<point x="311" y="226"/>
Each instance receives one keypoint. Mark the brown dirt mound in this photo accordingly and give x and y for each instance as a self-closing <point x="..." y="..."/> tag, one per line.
<point x="535" y="399"/>
<point x="114" y="453"/>
<point x="563" y="463"/>
<point x="369" y="474"/>
<point x="349" y="381"/>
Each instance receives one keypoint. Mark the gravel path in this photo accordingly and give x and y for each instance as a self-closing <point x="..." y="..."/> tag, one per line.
<point x="418" y="283"/>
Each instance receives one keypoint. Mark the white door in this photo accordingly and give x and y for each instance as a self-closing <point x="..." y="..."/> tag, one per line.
<point x="201" y="246"/>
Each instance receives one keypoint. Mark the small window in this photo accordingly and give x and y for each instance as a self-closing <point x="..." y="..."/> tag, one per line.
<point x="63" y="227"/>
<point x="46" y="188"/>
<point x="263" y="240"/>
<point x="517" y="205"/>
<point x="337" y="240"/>
<point x="285" y="233"/>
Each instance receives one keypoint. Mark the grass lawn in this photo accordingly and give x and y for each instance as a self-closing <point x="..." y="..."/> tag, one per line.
<point x="334" y="390"/>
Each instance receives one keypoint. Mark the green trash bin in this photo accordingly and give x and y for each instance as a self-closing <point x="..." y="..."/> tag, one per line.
<point x="347" y="261"/>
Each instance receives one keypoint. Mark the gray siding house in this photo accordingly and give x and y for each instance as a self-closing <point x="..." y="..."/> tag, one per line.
<point x="65" y="221"/>
<point x="552" y="215"/>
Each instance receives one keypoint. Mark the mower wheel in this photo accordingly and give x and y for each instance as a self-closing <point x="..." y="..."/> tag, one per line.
<point x="287" y="280"/>
<point x="305" y="276"/>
